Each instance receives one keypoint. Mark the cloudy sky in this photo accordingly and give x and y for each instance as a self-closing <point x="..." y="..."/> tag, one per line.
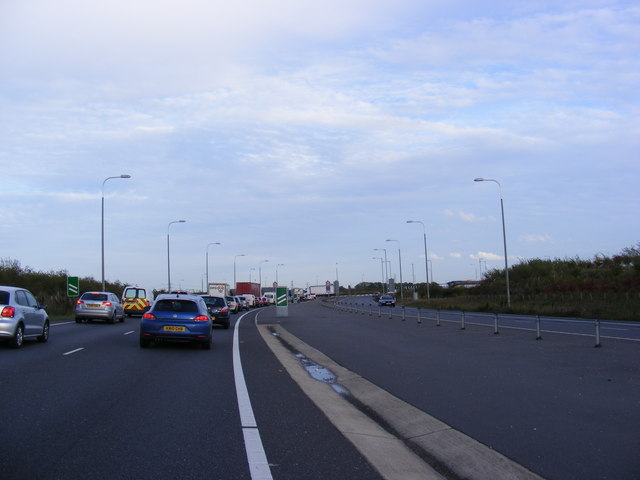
<point x="307" y="133"/>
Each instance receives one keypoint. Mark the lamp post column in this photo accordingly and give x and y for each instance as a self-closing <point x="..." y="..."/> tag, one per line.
<point x="102" y="230"/>
<point x="168" y="255"/>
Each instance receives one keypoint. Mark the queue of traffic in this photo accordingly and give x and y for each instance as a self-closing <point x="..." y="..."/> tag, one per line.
<point x="23" y="318"/>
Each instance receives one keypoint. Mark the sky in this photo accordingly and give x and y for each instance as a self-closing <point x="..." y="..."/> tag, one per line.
<point x="302" y="135"/>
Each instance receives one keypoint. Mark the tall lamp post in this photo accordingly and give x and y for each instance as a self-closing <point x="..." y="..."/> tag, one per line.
<point x="235" y="285"/>
<point x="207" y="263"/>
<point x="260" y="274"/>
<point x="168" y="257"/>
<point x="386" y="272"/>
<point x="250" y="276"/>
<point x="400" y="262"/>
<point x="426" y="262"/>
<point x="278" y="265"/>
<point x="381" y="269"/>
<point x="102" y="231"/>
<point x="504" y="235"/>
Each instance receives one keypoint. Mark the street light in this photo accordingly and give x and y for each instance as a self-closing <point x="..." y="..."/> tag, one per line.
<point x="250" y="277"/>
<point x="278" y="265"/>
<point x="381" y="269"/>
<point x="260" y="274"/>
<point x="207" y="263"/>
<point x="386" y="276"/>
<point x="400" y="262"/>
<point x="426" y="262"/>
<point x="235" y="285"/>
<point x="168" y="257"/>
<point x="102" y="231"/>
<point x="504" y="235"/>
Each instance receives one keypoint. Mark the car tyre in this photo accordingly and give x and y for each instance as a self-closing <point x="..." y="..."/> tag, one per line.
<point x="18" y="338"/>
<point x="113" y="318"/>
<point x="45" y="332"/>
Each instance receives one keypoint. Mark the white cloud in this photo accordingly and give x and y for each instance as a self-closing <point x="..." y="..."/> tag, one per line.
<point x="485" y="256"/>
<point x="535" y="238"/>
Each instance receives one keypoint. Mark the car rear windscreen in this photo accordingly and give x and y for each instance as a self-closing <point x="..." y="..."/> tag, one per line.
<point x="186" y="306"/>
<point x="4" y="298"/>
<point x="100" y="297"/>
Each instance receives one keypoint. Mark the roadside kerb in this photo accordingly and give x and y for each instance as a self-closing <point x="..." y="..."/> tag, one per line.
<point x="437" y="443"/>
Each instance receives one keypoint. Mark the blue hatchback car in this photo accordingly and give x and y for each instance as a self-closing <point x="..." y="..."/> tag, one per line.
<point x="177" y="317"/>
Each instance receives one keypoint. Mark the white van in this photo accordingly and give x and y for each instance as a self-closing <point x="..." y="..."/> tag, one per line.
<point x="270" y="296"/>
<point x="136" y="300"/>
<point x="250" y="298"/>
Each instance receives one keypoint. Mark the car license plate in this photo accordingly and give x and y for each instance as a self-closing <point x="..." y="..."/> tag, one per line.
<point x="172" y="328"/>
<point x="93" y="305"/>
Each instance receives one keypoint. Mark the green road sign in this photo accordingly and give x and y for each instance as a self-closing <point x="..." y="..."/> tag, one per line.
<point x="281" y="297"/>
<point x="73" y="286"/>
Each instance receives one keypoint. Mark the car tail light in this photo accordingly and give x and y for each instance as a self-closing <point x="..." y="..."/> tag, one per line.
<point x="79" y="302"/>
<point x="201" y="318"/>
<point x="223" y="310"/>
<point x="149" y="316"/>
<point x="8" y="312"/>
<point x="106" y="304"/>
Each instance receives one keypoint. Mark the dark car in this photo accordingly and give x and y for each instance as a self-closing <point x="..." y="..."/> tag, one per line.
<point x="218" y="310"/>
<point x="387" y="300"/>
<point x="177" y="317"/>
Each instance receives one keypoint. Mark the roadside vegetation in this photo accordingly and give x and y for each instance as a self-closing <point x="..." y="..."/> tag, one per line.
<point x="50" y="288"/>
<point x="602" y="287"/>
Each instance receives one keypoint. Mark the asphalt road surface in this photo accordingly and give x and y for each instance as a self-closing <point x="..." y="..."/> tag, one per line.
<point x="91" y="404"/>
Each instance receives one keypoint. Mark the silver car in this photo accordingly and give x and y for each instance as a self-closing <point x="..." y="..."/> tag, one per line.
<point x="99" y="306"/>
<point x="21" y="317"/>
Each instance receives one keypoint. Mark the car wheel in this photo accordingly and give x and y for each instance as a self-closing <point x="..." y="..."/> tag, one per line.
<point x="113" y="318"/>
<point x="145" y="343"/>
<point x="18" y="338"/>
<point x="45" y="332"/>
<point x="122" y="317"/>
<point x="78" y="320"/>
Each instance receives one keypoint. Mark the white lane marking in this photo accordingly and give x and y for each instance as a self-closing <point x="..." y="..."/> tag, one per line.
<point x="55" y="324"/>
<point x="73" y="351"/>
<point x="258" y="464"/>
<point x="129" y="333"/>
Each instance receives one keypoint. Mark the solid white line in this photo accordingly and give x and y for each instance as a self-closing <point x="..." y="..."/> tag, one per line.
<point x="258" y="464"/>
<point x="73" y="351"/>
<point x="129" y="333"/>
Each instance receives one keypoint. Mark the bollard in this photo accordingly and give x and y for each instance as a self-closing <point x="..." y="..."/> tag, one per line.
<point x="462" y="327"/>
<point x="419" y="318"/>
<point x="495" y="324"/>
<point x="404" y="318"/>
<point x="379" y="311"/>
<point x="438" y="318"/>
<point x="598" y="344"/>
<point x="364" y="312"/>
<point x="538" y="334"/>
<point x="371" y="310"/>
<point x="390" y="314"/>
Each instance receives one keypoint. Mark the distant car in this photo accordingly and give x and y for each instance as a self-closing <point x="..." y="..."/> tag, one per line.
<point x="22" y="317"/>
<point x="387" y="300"/>
<point x="177" y="317"/>
<point x="376" y="296"/>
<point x="99" y="306"/>
<point x="244" y="303"/>
<point x="234" y="307"/>
<point x="218" y="310"/>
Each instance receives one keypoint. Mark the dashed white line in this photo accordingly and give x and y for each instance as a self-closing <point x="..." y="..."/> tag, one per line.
<point x="258" y="464"/>
<point x="129" y="333"/>
<point x="74" y="351"/>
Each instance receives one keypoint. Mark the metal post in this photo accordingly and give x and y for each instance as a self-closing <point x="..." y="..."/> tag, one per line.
<point x="495" y="324"/>
<point x="379" y="311"/>
<point x="437" y="318"/>
<point x="538" y="334"/>
<point x="598" y="344"/>
<point x="371" y="310"/>
<point x="404" y="318"/>
<point x="419" y="318"/>
<point x="462" y="327"/>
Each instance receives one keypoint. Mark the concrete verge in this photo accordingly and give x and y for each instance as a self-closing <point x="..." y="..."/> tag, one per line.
<point x="399" y="440"/>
